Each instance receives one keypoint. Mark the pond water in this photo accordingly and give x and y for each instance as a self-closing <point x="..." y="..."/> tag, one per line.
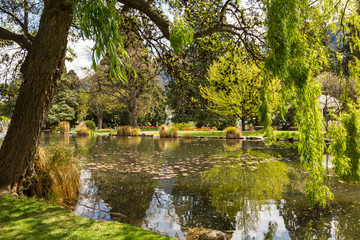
<point x="176" y="186"/>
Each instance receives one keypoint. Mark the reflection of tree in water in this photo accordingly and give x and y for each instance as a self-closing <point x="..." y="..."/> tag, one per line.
<point x="128" y="194"/>
<point x="240" y="192"/>
<point x="193" y="206"/>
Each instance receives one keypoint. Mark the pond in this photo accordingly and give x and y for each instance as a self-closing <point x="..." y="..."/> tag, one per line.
<point x="176" y="186"/>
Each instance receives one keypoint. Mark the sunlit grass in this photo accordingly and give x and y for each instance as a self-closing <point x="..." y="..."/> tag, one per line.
<point x="33" y="219"/>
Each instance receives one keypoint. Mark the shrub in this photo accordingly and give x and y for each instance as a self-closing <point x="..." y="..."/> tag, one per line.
<point x="214" y="128"/>
<point x="172" y="131"/>
<point x="90" y="124"/>
<point x="232" y="132"/>
<point x="136" y="131"/>
<point x="125" y="131"/>
<point x="64" y="127"/>
<point x="182" y="126"/>
<point x="57" y="178"/>
<point x="82" y="130"/>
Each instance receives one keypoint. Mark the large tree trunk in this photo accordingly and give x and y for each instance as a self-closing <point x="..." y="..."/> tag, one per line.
<point x="41" y="70"/>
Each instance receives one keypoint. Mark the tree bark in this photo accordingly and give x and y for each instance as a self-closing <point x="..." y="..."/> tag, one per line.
<point x="41" y="70"/>
<point x="99" y="121"/>
<point x="242" y="124"/>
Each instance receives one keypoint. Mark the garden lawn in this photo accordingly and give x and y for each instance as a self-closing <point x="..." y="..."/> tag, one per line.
<point x="29" y="218"/>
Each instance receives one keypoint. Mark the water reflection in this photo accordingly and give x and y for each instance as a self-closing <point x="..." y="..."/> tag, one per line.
<point x="171" y="185"/>
<point x="90" y="205"/>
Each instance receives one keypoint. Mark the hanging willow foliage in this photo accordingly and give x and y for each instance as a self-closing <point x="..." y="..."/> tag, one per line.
<point x="100" y="21"/>
<point x="295" y="55"/>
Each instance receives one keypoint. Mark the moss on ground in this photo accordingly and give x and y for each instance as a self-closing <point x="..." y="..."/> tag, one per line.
<point x="30" y="218"/>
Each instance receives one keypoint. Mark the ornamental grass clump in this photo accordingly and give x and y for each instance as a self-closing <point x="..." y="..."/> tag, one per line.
<point x="232" y="132"/>
<point x="168" y="132"/>
<point x="163" y="131"/>
<point x="136" y="131"/>
<point x="82" y="130"/>
<point x="64" y="127"/>
<point x="125" y="131"/>
<point x="57" y="178"/>
<point x="188" y="136"/>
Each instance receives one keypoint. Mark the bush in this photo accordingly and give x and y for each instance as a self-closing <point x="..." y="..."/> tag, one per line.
<point x="166" y="132"/>
<point x="182" y="126"/>
<point x="136" y="131"/>
<point x="82" y="130"/>
<point x="214" y="128"/>
<point x="90" y="124"/>
<point x="232" y="132"/>
<point x="57" y="178"/>
<point x="64" y="127"/>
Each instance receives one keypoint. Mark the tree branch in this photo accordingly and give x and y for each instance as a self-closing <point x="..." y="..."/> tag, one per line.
<point x="10" y="36"/>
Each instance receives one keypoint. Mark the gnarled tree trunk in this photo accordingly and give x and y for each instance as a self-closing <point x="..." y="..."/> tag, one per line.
<point x="41" y="70"/>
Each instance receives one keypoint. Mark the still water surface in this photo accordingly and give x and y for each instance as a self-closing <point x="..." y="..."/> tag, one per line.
<point x="243" y="188"/>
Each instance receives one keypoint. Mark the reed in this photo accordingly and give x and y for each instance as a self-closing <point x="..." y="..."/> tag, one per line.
<point x="232" y="133"/>
<point x="64" y="127"/>
<point x="83" y="130"/>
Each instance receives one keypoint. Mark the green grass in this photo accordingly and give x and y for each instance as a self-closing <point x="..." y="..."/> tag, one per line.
<point x="29" y="218"/>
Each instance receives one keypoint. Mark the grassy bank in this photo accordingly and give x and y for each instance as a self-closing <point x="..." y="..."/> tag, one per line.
<point x="24" y="218"/>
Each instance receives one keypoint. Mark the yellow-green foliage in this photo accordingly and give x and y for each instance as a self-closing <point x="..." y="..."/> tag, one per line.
<point x="232" y="132"/>
<point x="57" y="178"/>
<point x="166" y="132"/>
<point x="82" y="130"/>
<point x="136" y="131"/>
<point x="53" y="128"/>
<point x="64" y="127"/>
<point x="172" y="131"/>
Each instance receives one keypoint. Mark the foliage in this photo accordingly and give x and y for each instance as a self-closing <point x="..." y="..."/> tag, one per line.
<point x="184" y="125"/>
<point x="234" y="86"/>
<point x="90" y="124"/>
<point x="295" y="54"/>
<point x="128" y="131"/>
<point x="90" y="18"/>
<point x="40" y="220"/>
<point x="64" y="127"/>
<point x="168" y="132"/>
<point x="232" y="132"/>
<point x="181" y="34"/>
<point x="82" y="130"/>
<point x="232" y="186"/>
<point x="188" y="136"/>
<point x="57" y="178"/>
<point x="345" y="147"/>
<point x="65" y="102"/>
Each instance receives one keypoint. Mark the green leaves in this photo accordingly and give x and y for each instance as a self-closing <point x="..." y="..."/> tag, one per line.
<point x="100" y="21"/>
<point x="181" y="34"/>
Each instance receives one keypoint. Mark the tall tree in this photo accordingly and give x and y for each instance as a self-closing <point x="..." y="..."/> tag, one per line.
<point x="234" y="86"/>
<point x="65" y="102"/>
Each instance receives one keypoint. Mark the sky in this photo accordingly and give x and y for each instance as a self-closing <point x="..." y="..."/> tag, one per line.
<point x="83" y="60"/>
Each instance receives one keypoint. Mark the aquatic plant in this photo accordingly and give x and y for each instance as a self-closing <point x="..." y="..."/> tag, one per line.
<point x="232" y="132"/>
<point x="57" y="178"/>
<point x="188" y="136"/>
<point x="163" y="131"/>
<point x="64" y="127"/>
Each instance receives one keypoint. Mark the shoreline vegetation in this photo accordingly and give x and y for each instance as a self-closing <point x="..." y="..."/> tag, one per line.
<point x="200" y="133"/>
<point x="31" y="218"/>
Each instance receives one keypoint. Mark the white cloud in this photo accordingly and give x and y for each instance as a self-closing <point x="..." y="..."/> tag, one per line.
<point x="82" y="49"/>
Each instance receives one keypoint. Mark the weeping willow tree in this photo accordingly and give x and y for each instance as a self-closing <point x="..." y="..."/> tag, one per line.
<point x="296" y="54"/>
